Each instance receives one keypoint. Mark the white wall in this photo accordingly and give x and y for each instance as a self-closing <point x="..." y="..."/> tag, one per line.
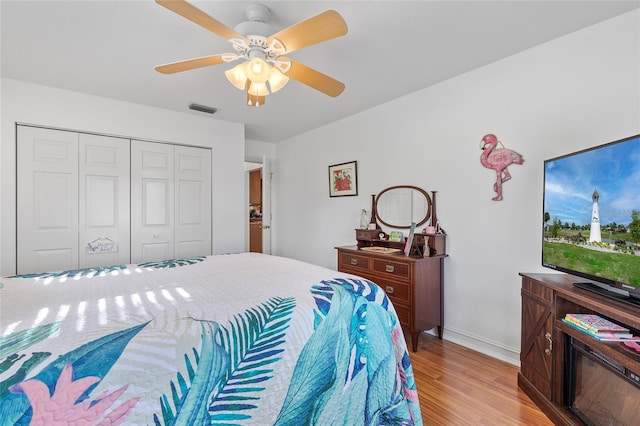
<point x="33" y="104"/>
<point x="256" y="150"/>
<point x="575" y="92"/>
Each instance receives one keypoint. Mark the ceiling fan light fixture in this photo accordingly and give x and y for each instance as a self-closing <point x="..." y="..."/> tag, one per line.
<point x="258" y="89"/>
<point x="277" y="80"/>
<point x="253" y="100"/>
<point x="258" y="71"/>
<point x="237" y="76"/>
<point x="264" y="69"/>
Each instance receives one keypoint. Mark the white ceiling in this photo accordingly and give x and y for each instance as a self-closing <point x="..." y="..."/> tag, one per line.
<point x="109" y="49"/>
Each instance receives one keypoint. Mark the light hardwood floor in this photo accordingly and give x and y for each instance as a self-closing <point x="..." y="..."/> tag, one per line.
<point x="459" y="386"/>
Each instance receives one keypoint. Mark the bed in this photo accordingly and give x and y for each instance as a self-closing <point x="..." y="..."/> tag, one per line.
<point x="230" y="339"/>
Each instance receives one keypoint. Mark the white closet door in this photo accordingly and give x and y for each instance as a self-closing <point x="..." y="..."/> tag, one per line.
<point x="152" y="201"/>
<point x="47" y="201"/>
<point x="104" y="228"/>
<point x="193" y="201"/>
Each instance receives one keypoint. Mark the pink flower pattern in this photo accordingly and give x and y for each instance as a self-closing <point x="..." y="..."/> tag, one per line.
<point x="61" y="407"/>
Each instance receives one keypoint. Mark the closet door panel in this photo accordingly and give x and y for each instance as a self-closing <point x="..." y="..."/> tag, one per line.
<point x="193" y="201"/>
<point x="47" y="201"/>
<point x="152" y="201"/>
<point x="104" y="235"/>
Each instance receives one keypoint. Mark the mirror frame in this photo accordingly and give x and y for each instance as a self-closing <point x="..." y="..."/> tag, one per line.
<point x="391" y="188"/>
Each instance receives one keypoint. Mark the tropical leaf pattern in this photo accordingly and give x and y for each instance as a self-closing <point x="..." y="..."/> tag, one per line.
<point x="76" y="273"/>
<point x="102" y="270"/>
<point x="172" y="263"/>
<point x="91" y="359"/>
<point x="350" y="350"/>
<point x="230" y="370"/>
<point x="15" y="342"/>
<point x="329" y="352"/>
<point x="61" y="407"/>
<point x="254" y="341"/>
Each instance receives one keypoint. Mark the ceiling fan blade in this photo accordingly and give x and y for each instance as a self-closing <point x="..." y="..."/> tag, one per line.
<point x="314" y="79"/>
<point x="197" y="16"/>
<point x="322" y="27"/>
<point x="191" y="64"/>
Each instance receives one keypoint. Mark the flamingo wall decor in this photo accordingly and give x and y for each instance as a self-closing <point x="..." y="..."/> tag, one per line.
<point x="498" y="159"/>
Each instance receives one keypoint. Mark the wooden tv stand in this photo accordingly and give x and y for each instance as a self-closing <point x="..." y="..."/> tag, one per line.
<point x="546" y="299"/>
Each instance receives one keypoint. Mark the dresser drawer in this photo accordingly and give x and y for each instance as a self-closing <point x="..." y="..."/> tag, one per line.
<point x="353" y="261"/>
<point x="397" y="269"/>
<point x="397" y="291"/>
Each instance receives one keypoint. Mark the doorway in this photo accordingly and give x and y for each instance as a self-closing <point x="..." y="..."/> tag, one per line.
<point x="258" y="197"/>
<point x="255" y="210"/>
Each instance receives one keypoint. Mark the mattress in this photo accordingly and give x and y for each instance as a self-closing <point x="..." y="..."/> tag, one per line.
<point x="239" y="339"/>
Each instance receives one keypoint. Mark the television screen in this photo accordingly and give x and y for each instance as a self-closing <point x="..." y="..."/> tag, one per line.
<point x="592" y="214"/>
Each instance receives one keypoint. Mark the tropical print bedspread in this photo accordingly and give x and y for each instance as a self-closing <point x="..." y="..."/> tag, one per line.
<point x="243" y="339"/>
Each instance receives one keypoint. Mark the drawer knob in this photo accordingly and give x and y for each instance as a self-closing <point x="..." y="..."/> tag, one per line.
<point x="389" y="289"/>
<point x="354" y="261"/>
<point x="389" y="268"/>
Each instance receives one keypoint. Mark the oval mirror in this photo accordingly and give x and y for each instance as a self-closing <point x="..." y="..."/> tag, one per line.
<point x="399" y="206"/>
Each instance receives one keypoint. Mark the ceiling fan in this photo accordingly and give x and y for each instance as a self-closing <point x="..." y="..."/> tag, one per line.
<point x="264" y="69"/>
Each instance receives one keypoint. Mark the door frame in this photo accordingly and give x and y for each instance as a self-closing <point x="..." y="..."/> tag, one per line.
<point x="265" y="165"/>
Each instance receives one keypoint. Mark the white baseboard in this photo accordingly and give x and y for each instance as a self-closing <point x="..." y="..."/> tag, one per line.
<point x="482" y="345"/>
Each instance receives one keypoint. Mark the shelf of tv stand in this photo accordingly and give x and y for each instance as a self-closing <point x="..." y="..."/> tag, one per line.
<point x="619" y="311"/>
<point x="610" y="349"/>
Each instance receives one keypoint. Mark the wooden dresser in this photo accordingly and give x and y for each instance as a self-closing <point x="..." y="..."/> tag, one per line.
<point x="414" y="285"/>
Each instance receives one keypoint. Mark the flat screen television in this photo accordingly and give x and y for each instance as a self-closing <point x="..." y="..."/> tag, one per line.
<point x="591" y="218"/>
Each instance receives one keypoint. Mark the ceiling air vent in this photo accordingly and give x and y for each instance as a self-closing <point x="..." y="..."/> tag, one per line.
<point x="203" y="108"/>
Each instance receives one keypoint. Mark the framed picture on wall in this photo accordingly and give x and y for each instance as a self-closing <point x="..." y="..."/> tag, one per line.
<point x="343" y="179"/>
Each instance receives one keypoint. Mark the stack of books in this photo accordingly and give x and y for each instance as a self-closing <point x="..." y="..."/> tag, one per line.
<point x="600" y="328"/>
